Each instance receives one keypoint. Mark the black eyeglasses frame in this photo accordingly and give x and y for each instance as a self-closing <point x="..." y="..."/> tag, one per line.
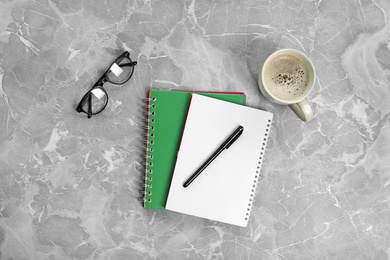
<point x="99" y="84"/>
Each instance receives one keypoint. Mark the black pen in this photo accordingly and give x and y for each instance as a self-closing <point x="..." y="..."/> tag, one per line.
<point x="226" y="144"/>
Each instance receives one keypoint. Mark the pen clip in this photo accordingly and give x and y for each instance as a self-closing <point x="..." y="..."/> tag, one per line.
<point x="237" y="134"/>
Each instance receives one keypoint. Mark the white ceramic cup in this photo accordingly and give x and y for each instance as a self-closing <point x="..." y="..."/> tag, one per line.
<point x="298" y="104"/>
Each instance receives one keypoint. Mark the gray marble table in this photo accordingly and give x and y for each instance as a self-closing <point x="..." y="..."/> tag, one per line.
<point x="69" y="185"/>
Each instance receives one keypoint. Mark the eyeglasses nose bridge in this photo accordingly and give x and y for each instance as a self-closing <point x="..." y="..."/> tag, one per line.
<point x="104" y="80"/>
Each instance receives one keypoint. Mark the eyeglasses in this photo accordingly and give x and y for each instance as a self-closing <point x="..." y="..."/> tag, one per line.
<point x="96" y="99"/>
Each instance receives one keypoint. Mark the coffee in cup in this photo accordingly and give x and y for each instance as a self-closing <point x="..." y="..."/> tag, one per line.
<point x="287" y="77"/>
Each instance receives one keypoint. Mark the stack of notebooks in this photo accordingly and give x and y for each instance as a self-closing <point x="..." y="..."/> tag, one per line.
<point x="183" y="130"/>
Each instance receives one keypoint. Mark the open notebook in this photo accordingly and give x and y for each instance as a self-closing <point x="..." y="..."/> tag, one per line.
<point x="224" y="191"/>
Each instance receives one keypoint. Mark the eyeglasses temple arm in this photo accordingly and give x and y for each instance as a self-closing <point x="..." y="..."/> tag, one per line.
<point x="89" y="104"/>
<point x="128" y="64"/>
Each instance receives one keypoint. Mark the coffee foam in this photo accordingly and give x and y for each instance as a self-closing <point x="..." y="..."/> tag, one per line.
<point x="286" y="77"/>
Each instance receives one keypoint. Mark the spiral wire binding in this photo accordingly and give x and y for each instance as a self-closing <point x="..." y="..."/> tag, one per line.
<point x="259" y="164"/>
<point x="140" y="145"/>
<point x="146" y="147"/>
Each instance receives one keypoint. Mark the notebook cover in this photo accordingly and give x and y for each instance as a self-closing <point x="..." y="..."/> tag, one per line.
<point x="167" y="114"/>
<point x="224" y="191"/>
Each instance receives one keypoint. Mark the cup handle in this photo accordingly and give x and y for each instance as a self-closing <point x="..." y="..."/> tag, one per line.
<point x="303" y="110"/>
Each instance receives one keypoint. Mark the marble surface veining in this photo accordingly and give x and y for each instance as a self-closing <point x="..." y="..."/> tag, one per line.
<point x="69" y="185"/>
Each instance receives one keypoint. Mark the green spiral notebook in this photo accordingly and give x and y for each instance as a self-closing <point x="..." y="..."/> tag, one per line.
<point x="166" y="115"/>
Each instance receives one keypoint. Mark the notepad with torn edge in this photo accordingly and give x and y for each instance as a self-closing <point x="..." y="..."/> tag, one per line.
<point x="167" y="111"/>
<point x="224" y="191"/>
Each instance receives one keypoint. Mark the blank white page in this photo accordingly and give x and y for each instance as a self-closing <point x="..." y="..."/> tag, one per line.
<point x="224" y="190"/>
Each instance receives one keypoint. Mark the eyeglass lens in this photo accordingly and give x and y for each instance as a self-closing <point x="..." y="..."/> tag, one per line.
<point x="121" y="72"/>
<point x="98" y="100"/>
